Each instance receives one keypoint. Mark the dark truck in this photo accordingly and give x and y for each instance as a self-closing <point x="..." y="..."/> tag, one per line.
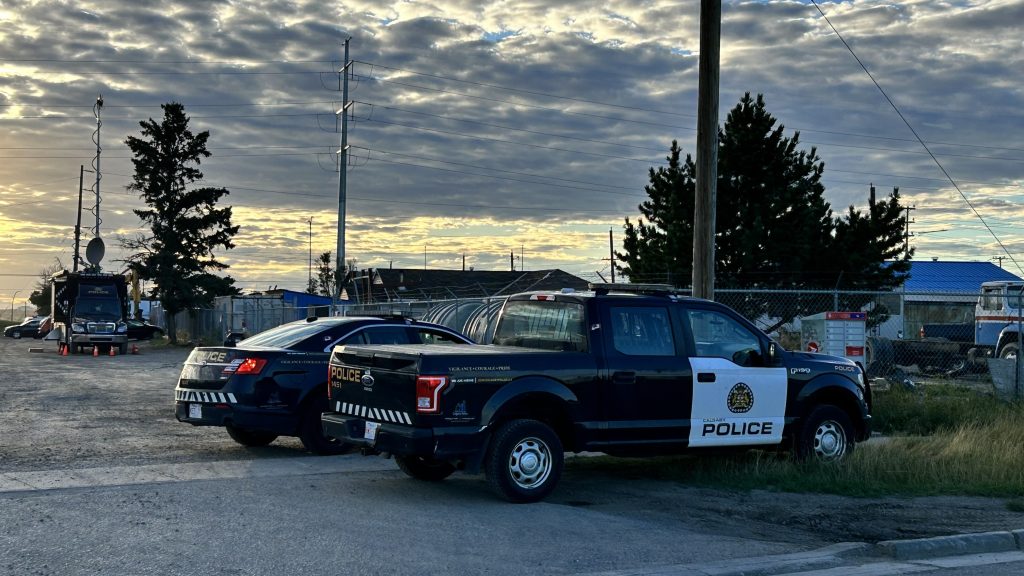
<point x="90" y="310"/>
<point x="621" y="369"/>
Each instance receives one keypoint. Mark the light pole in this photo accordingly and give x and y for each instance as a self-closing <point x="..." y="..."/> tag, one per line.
<point x="12" y="304"/>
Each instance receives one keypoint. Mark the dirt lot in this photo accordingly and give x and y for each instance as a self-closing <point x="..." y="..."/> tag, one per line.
<point x="84" y="412"/>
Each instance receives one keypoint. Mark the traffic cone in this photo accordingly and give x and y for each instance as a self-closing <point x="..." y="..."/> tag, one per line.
<point x="95" y="350"/>
<point x="113" y="351"/>
<point x="63" y="349"/>
<point x="135" y="349"/>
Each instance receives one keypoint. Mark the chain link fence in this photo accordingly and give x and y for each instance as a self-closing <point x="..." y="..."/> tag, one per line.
<point x="901" y="338"/>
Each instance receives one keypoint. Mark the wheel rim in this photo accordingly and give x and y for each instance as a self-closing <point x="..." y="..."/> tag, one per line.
<point x="529" y="463"/>
<point x="829" y="441"/>
<point x="1010" y="355"/>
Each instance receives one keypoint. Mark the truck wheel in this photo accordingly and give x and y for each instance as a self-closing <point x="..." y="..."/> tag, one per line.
<point x="524" y="462"/>
<point x="251" y="438"/>
<point x="425" y="468"/>
<point x="826" y="435"/>
<point x="122" y="349"/>
<point x="311" y="432"/>
<point x="1009" y="352"/>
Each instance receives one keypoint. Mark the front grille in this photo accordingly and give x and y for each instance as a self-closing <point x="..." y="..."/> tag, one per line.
<point x="101" y="327"/>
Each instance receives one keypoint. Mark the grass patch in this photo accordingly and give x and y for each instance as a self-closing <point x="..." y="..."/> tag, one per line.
<point x="935" y="408"/>
<point x="969" y="459"/>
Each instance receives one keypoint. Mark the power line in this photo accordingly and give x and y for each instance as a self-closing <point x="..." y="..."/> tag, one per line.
<point x="918" y="137"/>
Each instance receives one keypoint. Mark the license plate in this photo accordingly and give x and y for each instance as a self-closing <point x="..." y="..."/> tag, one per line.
<point x="371" y="430"/>
<point x="195" y="410"/>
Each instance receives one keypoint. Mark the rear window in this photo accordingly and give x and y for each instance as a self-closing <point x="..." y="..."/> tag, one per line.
<point x="286" y="335"/>
<point x="543" y="324"/>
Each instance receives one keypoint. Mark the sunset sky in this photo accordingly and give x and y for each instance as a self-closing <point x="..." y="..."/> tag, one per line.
<point x="488" y="127"/>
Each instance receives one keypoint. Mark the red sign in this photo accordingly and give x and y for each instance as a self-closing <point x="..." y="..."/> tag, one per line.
<point x="854" y="350"/>
<point x="846" y="315"/>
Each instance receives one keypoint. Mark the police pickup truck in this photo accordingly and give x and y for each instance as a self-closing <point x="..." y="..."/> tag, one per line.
<point x="620" y="369"/>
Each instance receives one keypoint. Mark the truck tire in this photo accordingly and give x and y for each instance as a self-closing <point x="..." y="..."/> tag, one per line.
<point x="879" y="356"/>
<point x="525" y="461"/>
<point x="825" y="435"/>
<point x="426" y="469"/>
<point x="311" y="432"/>
<point x="122" y="349"/>
<point x="251" y="438"/>
<point x="1009" y="352"/>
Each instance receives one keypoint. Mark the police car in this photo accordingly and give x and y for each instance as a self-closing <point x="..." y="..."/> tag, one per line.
<point x="275" y="383"/>
<point x="621" y="369"/>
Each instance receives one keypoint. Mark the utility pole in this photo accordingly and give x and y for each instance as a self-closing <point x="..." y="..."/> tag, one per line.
<point x="309" y="280"/>
<point x="906" y="229"/>
<point x="611" y="253"/>
<point x="1000" y="259"/>
<point x="512" y="260"/>
<point x="707" y="150"/>
<point x="339" y="263"/>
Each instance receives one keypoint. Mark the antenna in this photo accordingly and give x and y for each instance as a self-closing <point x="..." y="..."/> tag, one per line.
<point x="96" y="109"/>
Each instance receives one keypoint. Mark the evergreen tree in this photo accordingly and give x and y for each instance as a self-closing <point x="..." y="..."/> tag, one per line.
<point x="773" y="227"/>
<point x="185" y="223"/>
<point x="325" y="277"/>
<point x="42" y="296"/>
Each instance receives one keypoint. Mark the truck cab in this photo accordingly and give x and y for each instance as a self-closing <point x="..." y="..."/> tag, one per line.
<point x="90" y="310"/>
<point x="997" y="318"/>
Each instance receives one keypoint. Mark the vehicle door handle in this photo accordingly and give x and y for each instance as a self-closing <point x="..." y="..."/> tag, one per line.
<point x="705" y="377"/>
<point x="625" y="378"/>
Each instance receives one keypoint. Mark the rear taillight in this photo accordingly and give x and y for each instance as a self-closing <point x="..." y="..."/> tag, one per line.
<point x="428" y="393"/>
<point x="246" y="366"/>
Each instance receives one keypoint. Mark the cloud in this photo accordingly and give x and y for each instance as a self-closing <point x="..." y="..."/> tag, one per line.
<point x="524" y="126"/>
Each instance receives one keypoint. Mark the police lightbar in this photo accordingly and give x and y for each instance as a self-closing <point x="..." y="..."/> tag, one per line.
<point x="606" y="287"/>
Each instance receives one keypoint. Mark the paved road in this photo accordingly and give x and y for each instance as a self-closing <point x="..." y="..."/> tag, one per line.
<point x="96" y="477"/>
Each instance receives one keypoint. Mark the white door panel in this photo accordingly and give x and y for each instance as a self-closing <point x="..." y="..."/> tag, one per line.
<point x="742" y="406"/>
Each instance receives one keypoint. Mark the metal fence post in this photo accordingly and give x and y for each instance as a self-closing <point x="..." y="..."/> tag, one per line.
<point x="1016" y="381"/>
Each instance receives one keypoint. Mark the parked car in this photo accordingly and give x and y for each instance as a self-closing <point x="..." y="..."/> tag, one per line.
<point x="29" y="328"/>
<point x="275" y="383"/>
<point x="142" y="330"/>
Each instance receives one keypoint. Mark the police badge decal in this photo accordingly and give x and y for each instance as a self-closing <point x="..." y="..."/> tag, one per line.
<point x="741" y="399"/>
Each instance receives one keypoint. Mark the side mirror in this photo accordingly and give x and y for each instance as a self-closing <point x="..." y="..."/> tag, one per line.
<point x="773" y="354"/>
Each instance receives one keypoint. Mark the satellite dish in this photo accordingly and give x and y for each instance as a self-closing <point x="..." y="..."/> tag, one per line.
<point x="95" y="250"/>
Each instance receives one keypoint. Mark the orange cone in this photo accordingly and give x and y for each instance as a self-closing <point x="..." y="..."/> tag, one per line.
<point x="113" y="351"/>
<point x="63" y="349"/>
<point x="95" y="350"/>
<point x="135" y="349"/>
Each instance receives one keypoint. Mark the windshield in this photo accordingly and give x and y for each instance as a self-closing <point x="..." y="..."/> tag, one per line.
<point x="542" y="324"/>
<point x="98" y="309"/>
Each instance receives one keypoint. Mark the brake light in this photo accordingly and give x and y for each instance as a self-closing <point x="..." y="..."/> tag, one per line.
<point x="428" y="393"/>
<point x="248" y="366"/>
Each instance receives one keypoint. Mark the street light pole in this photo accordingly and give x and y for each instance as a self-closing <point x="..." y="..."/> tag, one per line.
<point x="12" y="304"/>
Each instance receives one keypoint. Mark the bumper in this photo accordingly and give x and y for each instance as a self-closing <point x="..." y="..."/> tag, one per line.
<point x="79" y="338"/>
<point x="248" y="418"/>
<point x="447" y="443"/>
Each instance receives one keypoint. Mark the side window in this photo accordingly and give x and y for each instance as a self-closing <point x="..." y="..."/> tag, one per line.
<point x="357" y="338"/>
<point x="642" y="331"/>
<point x="991" y="299"/>
<point x="716" y="334"/>
<point x="428" y="336"/>
<point x="387" y="335"/>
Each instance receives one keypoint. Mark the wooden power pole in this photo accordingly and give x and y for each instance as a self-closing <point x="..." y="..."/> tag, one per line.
<point x="707" y="150"/>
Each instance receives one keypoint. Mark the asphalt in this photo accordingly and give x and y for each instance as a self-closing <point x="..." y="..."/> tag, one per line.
<point x="844" y="559"/>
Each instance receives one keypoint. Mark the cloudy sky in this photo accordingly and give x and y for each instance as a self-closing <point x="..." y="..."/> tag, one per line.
<point x="487" y="127"/>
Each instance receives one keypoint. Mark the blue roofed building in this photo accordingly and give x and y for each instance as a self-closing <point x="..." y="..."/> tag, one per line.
<point x="938" y="276"/>
<point x="938" y="292"/>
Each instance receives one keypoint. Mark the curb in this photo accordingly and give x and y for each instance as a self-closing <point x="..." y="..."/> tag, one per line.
<point x="957" y="545"/>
